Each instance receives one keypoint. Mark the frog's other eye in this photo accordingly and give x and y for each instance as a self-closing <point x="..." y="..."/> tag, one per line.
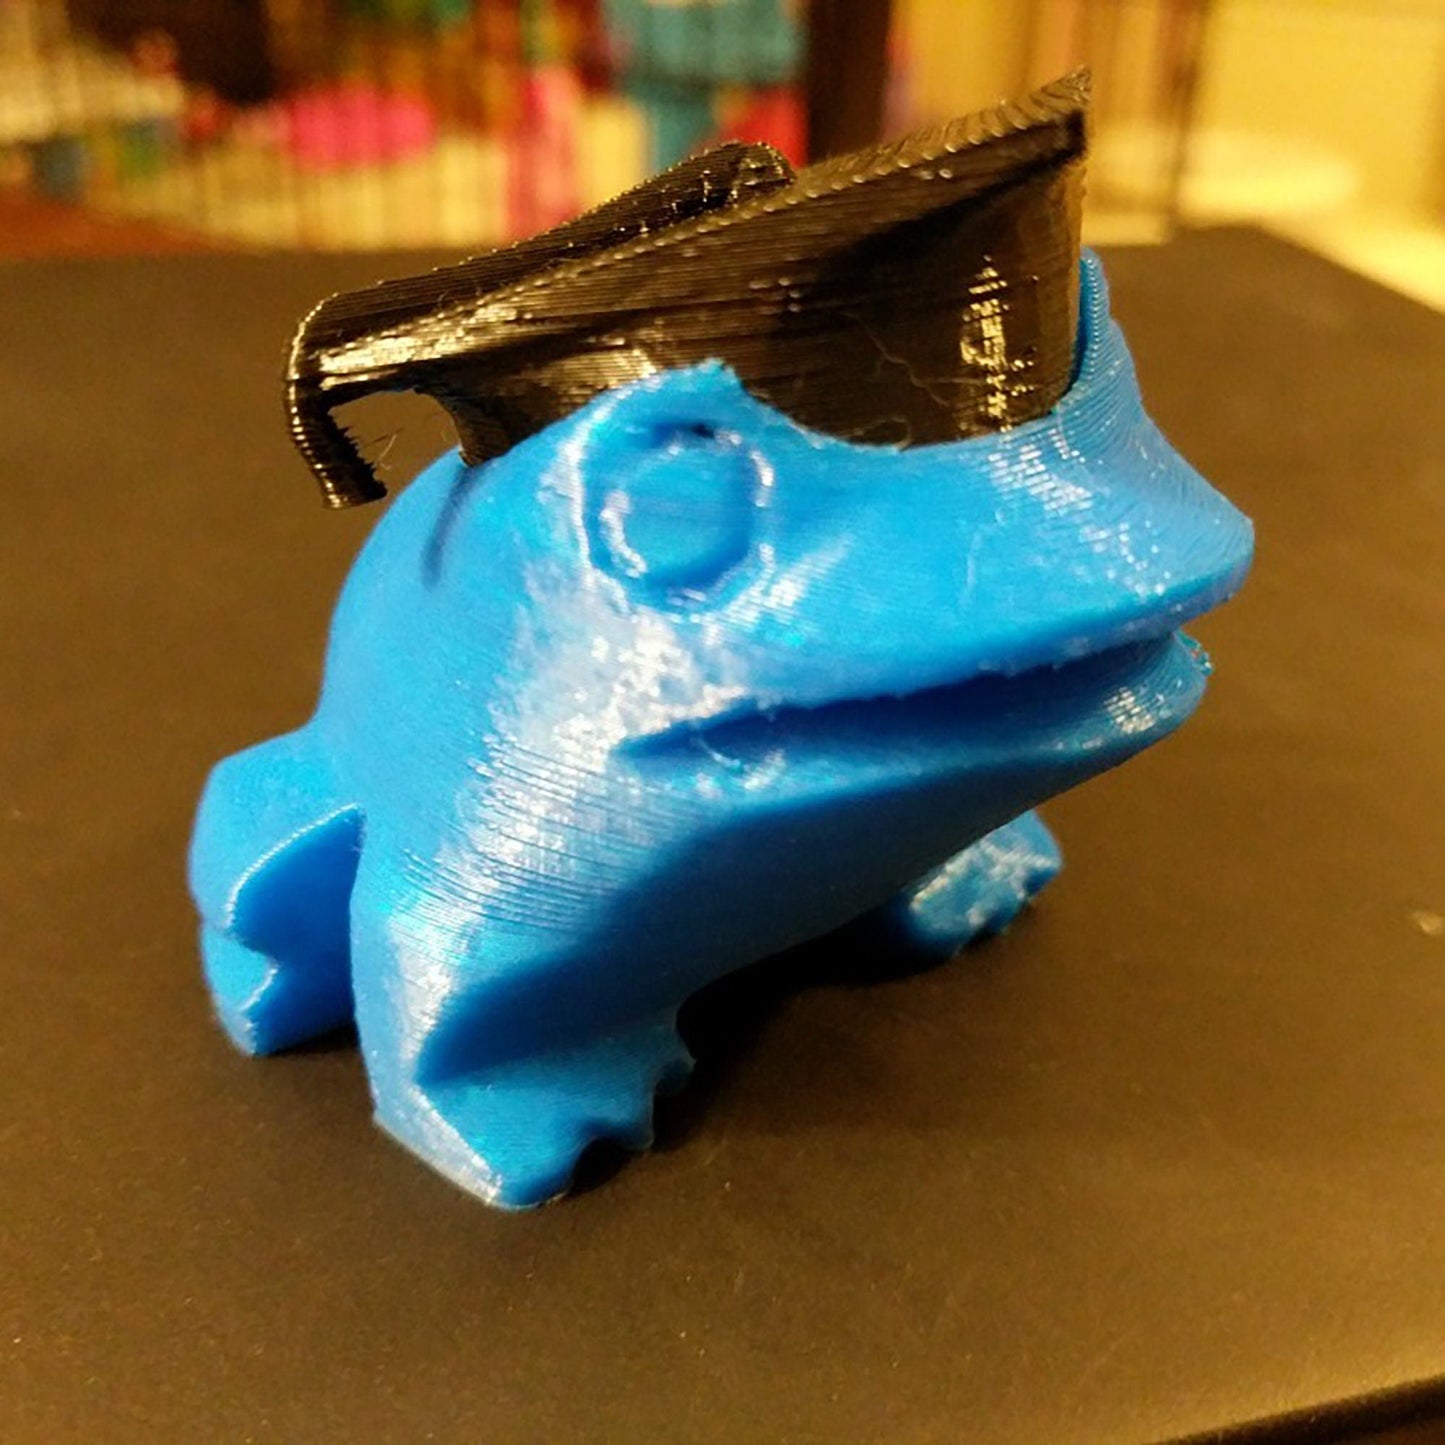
<point x="675" y="511"/>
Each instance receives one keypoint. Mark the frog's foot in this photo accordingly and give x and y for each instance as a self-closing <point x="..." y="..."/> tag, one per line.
<point x="512" y="1132"/>
<point x="273" y="860"/>
<point x="977" y="892"/>
<point x="267" y="1004"/>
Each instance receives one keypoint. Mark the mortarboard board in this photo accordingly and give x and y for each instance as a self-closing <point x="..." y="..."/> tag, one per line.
<point x="917" y="292"/>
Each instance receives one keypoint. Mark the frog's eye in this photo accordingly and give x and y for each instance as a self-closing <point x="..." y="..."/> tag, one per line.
<point x="675" y="510"/>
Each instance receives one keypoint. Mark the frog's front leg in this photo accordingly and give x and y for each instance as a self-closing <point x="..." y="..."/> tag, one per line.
<point x="978" y="891"/>
<point x="273" y="859"/>
<point x="495" y="1052"/>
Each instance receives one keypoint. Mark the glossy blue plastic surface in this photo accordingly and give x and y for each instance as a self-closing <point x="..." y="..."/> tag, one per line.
<point x="667" y="688"/>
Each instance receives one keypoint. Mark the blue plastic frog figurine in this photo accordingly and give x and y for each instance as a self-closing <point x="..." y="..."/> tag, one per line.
<point x="670" y="686"/>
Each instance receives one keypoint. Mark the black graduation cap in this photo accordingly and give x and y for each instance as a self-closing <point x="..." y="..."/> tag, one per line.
<point x="920" y="291"/>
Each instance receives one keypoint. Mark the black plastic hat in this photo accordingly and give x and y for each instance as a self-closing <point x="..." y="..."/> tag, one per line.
<point x="921" y="291"/>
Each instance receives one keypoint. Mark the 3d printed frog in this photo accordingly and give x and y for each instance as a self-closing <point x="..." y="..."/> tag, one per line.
<point x="677" y="663"/>
<point x="668" y="687"/>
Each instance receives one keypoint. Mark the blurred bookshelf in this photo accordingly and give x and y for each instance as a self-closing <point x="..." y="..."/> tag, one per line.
<point x="380" y="123"/>
<point x="461" y="124"/>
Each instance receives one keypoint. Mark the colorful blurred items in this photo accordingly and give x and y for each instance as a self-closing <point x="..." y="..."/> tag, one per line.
<point x="354" y="124"/>
<point x="757" y="42"/>
<point x="465" y="122"/>
<point x="685" y="61"/>
<point x="540" y="33"/>
<point x="612" y="148"/>
<point x="74" y="118"/>
<point x="410" y="12"/>
<point x="708" y="42"/>
<point x="901" y="111"/>
<point x="17" y="168"/>
<point x="499" y="66"/>
<point x="777" y="117"/>
<point x="77" y="167"/>
<point x="583" y="39"/>
<point x="680" y="117"/>
<point x="140" y="148"/>
<point x="60" y="166"/>
<point x="206" y="117"/>
<point x="438" y="63"/>
<point x="154" y="52"/>
<point x="542" y="189"/>
<point x="218" y="43"/>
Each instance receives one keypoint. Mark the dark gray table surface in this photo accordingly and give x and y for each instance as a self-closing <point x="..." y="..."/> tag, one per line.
<point x="1169" y="1157"/>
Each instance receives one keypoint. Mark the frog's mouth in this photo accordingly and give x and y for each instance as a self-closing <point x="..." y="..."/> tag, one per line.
<point x="1111" y="703"/>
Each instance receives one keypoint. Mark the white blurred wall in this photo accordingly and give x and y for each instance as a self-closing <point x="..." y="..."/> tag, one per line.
<point x="1324" y="119"/>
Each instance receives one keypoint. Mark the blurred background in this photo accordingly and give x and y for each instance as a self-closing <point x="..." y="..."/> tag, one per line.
<point x="364" y="124"/>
